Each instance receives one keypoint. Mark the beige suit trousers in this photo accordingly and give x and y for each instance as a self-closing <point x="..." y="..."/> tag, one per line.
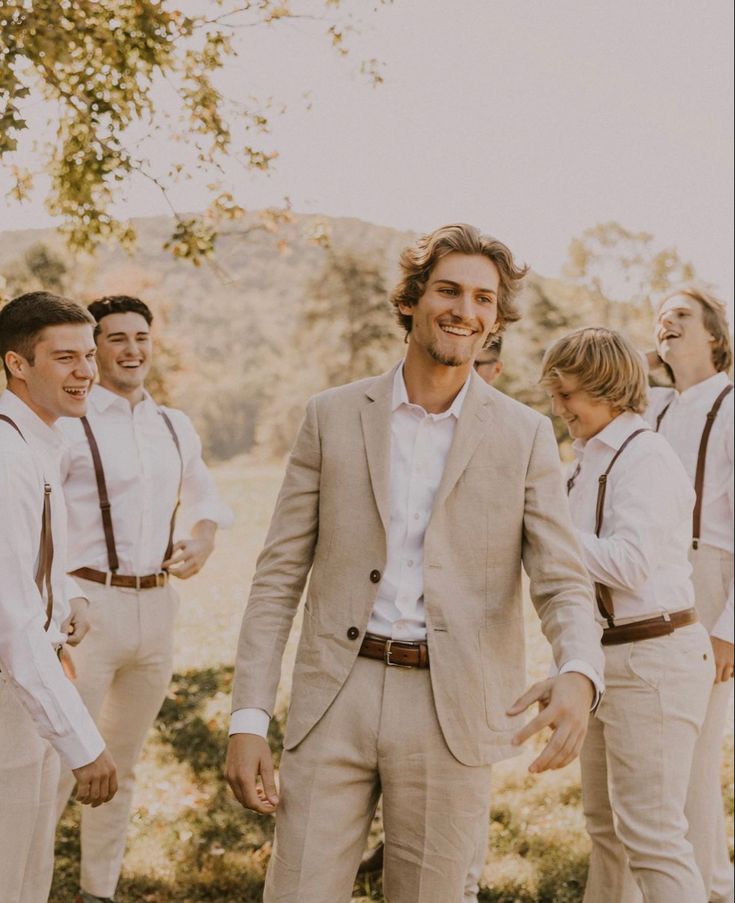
<point x="380" y="733"/>
<point x="29" y="774"/>
<point x="124" y="667"/>
<point x="636" y="763"/>
<point x="713" y="569"/>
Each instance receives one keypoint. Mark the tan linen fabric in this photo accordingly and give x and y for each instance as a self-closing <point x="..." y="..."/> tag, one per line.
<point x="500" y="502"/>
<point x="124" y="667"/>
<point x="713" y="569"/>
<point x="29" y="774"/>
<point x="381" y="731"/>
<point x="636" y="762"/>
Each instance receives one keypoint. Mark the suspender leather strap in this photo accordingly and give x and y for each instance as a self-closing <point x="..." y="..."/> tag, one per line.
<point x="170" y="545"/>
<point x="46" y="542"/>
<point x="99" y="475"/>
<point x="603" y="595"/>
<point x="105" y="507"/>
<point x="701" y="461"/>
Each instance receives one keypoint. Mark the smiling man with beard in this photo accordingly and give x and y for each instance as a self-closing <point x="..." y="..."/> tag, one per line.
<point x="131" y="465"/>
<point x="412" y="498"/>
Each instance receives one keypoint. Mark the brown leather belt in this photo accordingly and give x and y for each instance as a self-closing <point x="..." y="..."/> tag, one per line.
<point x="401" y="655"/>
<point x="649" y="628"/>
<point x="149" y="581"/>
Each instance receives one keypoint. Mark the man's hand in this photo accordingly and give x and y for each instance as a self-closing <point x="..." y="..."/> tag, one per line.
<point x="249" y="758"/>
<point x="96" y="782"/>
<point x="77" y="624"/>
<point x="190" y="555"/>
<point x="724" y="659"/>
<point x="564" y="703"/>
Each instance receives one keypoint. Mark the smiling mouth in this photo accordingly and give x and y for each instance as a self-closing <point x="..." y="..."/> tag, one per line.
<point x="463" y="331"/>
<point x="76" y="393"/>
<point x="667" y="336"/>
<point x="130" y="365"/>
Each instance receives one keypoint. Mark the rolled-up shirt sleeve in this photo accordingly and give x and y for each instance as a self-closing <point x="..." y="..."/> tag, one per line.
<point x="27" y="658"/>
<point x="199" y="497"/>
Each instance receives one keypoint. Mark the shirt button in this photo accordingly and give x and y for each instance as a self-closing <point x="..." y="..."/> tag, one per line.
<point x="409" y="563"/>
<point x="416" y="516"/>
<point x="353" y="633"/>
<point x="374" y="577"/>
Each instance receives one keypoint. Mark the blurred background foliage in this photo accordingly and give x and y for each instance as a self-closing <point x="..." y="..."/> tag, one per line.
<point x="244" y="340"/>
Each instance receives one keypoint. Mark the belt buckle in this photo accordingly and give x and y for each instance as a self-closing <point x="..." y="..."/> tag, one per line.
<point x="161" y="579"/>
<point x="386" y="657"/>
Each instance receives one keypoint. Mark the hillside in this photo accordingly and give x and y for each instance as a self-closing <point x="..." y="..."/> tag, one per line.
<point x="242" y="341"/>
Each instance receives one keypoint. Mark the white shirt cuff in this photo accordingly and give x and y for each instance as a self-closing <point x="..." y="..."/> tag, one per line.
<point x="250" y="721"/>
<point x="576" y="664"/>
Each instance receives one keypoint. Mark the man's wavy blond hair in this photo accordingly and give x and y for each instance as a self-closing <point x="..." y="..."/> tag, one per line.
<point x="603" y="362"/>
<point x="418" y="260"/>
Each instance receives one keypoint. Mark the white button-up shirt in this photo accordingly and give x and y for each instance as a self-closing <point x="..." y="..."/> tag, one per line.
<point x="142" y="470"/>
<point x="682" y="426"/>
<point x="642" y="551"/>
<point x="27" y="655"/>
<point x="420" y="443"/>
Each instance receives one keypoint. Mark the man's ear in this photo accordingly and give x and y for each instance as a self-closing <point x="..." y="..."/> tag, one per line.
<point x="16" y="364"/>
<point x="405" y="309"/>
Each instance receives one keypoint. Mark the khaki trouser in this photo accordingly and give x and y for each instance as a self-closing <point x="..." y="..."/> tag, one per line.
<point x="29" y="774"/>
<point x="713" y="569"/>
<point x="636" y="761"/>
<point x="381" y="732"/>
<point x="124" y="667"/>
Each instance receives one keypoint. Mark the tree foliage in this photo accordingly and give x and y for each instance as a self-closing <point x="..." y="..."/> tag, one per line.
<point x="100" y="65"/>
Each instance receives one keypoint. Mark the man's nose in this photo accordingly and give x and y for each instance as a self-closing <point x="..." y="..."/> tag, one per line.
<point x="464" y="306"/>
<point x="87" y="369"/>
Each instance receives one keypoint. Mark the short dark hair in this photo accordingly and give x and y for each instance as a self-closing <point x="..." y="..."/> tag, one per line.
<point x="23" y="319"/>
<point x="418" y="260"/>
<point x="491" y="352"/>
<point x="118" y="304"/>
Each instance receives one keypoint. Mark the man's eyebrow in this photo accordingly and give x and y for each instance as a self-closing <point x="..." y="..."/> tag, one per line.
<point x="486" y="291"/>
<point x="114" y="335"/>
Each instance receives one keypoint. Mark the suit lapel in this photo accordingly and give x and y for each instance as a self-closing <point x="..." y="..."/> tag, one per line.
<point x="375" y="416"/>
<point x="470" y="429"/>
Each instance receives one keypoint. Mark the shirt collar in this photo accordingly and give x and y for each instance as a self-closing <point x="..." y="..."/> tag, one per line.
<point x="614" y="434"/>
<point x="706" y="390"/>
<point x="101" y="399"/>
<point x="400" y="396"/>
<point x="29" y="423"/>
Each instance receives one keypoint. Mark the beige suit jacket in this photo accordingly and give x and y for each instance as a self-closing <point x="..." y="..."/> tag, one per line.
<point x="500" y="504"/>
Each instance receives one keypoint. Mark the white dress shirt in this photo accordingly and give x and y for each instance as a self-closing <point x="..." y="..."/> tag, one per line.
<point x="642" y="551"/>
<point x="420" y="443"/>
<point x="142" y="470"/>
<point x="682" y="426"/>
<point x="27" y="652"/>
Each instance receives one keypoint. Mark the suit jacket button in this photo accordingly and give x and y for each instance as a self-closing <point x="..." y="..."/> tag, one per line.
<point x="353" y="633"/>
<point x="375" y="576"/>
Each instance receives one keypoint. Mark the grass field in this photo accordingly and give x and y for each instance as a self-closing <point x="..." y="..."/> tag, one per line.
<point x="189" y="841"/>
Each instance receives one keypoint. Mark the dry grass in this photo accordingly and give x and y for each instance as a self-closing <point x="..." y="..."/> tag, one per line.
<point x="190" y="842"/>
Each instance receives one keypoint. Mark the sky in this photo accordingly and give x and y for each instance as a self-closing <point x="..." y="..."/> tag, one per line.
<point x="533" y="119"/>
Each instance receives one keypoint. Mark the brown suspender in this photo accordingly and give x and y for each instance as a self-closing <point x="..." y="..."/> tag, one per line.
<point x="602" y="592"/>
<point x="170" y="545"/>
<point x="99" y="475"/>
<point x="105" y="506"/>
<point x="46" y="542"/>
<point x="701" y="460"/>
